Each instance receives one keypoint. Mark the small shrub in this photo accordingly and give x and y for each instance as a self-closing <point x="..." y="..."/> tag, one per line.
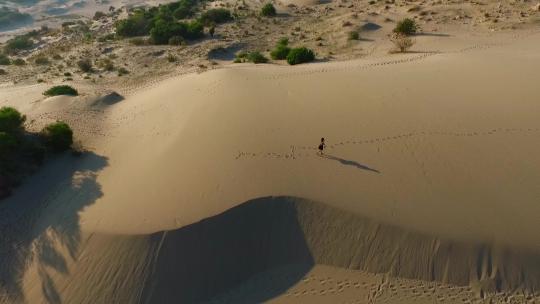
<point x="138" y="24"/>
<point x="406" y="26"/>
<point x="67" y="74"/>
<point x="354" y="35"/>
<point x="4" y="60"/>
<point x="57" y="57"/>
<point x="85" y="65"/>
<point x="176" y="40"/>
<point x="257" y="57"/>
<point x="183" y="8"/>
<point x="300" y="55"/>
<point x="3" y="72"/>
<point x="11" y="120"/>
<point x="241" y="57"/>
<point x="19" y="61"/>
<point x="98" y="15"/>
<point x="58" y="136"/>
<point x="122" y="71"/>
<point x="280" y="52"/>
<point x="61" y="90"/>
<point x="106" y="64"/>
<point x="171" y="58"/>
<point x="41" y="60"/>
<point x="195" y="30"/>
<point x="402" y="42"/>
<point x="164" y="30"/>
<point x="283" y="41"/>
<point x="268" y="10"/>
<point x="18" y="43"/>
<point x="216" y="16"/>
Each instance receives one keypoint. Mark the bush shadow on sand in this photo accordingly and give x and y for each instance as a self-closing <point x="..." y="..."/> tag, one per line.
<point x="40" y="216"/>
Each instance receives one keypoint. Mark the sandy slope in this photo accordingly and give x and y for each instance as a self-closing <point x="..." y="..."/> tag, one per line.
<point x="429" y="191"/>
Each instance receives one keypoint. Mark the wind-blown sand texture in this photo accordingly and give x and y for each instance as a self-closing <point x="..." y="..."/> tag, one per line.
<point x="207" y="187"/>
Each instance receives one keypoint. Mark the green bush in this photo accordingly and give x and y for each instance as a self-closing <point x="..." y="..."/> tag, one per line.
<point x="171" y="58"/>
<point x="300" y="55"/>
<point x="85" y="65"/>
<point x="4" y="60"/>
<point x="11" y="120"/>
<point x="183" y="8"/>
<point x="18" y="43"/>
<point x="58" y="136"/>
<point x="354" y="35"/>
<point x="195" y="30"/>
<point x="176" y="40"/>
<point x="61" y="90"/>
<point x="98" y="15"/>
<point x="256" y="57"/>
<point x="406" y="26"/>
<point x="283" y="41"/>
<point x="216" y="16"/>
<point x="19" y="61"/>
<point x="137" y="24"/>
<point x="268" y="10"/>
<point x="281" y="50"/>
<point x="163" y="31"/>
<point x="122" y="71"/>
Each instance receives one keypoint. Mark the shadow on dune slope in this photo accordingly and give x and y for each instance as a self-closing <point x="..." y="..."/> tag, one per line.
<point x="199" y="261"/>
<point x="41" y="226"/>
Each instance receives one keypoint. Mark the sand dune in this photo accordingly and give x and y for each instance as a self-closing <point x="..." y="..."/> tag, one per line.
<point x="267" y="233"/>
<point x="206" y="187"/>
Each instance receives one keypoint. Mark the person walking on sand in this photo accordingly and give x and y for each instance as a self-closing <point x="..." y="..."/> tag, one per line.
<point x="322" y="145"/>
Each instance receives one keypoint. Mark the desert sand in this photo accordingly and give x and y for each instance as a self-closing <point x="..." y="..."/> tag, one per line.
<point x="206" y="187"/>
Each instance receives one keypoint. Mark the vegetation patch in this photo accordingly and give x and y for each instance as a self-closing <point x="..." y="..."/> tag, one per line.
<point x="4" y="60"/>
<point x="353" y="35"/>
<point x="215" y="16"/>
<point x="58" y="136"/>
<point x="18" y="44"/>
<point x="256" y="57"/>
<point x="61" y="90"/>
<point x="268" y="10"/>
<point x="19" y="61"/>
<point x="282" y="50"/>
<point x="85" y="65"/>
<point x="406" y="26"/>
<point x="402" y="42"/>
<point x="300" y="55"/>
<point x="21" y="152"/>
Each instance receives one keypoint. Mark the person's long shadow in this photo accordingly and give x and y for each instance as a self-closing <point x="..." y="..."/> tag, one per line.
<point x="41" y="215"/>
<point x="350" y="163"/>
